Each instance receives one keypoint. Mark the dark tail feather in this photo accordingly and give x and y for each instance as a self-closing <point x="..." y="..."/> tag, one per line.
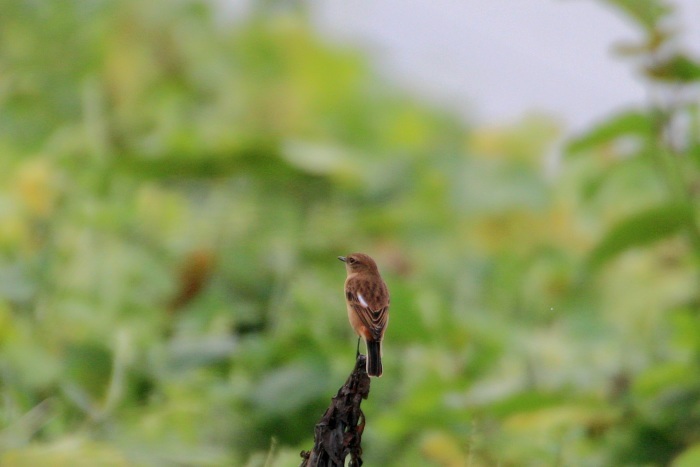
<point x="374" y="358"/>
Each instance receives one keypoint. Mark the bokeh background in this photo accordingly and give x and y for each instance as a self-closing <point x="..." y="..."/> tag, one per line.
<point x="177" y="178"/>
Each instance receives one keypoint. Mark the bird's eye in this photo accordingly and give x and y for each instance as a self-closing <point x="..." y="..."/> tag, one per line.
<point x="352" y="260"/>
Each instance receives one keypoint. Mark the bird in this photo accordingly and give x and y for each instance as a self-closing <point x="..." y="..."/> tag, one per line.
<point x="367" y="300"/>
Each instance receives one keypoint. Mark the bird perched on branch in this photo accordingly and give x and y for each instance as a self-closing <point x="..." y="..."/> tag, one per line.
<point x="367" y="299"/>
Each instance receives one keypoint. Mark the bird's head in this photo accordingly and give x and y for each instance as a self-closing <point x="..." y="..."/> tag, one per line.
<point x="359" y="262"/>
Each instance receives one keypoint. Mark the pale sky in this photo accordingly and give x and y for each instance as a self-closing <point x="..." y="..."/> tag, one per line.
<point x="496" y="60"/>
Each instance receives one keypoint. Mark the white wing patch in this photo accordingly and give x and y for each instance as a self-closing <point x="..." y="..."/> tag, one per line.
<point x="362" y="300"/>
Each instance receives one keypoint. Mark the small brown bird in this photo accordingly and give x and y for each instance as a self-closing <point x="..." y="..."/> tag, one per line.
<point x="367" y="300"/>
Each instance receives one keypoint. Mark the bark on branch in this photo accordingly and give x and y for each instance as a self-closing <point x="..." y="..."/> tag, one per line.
<point x="339" y="432"/>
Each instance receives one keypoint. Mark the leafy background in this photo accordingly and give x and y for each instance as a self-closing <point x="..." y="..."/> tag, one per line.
<point x="175" y="190"/>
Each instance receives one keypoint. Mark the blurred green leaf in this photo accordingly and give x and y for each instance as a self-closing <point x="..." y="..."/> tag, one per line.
<point x="679" y="68"/>
<point x="662" y="377"/>
<point x="88" y="366"/>
<point x="640" y="229"/>
<point x="630" y="123"/>
<point x="628" y="171"/>
<point x="694" y="146"/>
<point x="689" y="458"/>
<point x="685" y="323"/>
<point x="647" y="13"/>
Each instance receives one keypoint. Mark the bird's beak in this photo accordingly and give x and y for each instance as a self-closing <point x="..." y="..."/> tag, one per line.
<point x="342" y="258"/>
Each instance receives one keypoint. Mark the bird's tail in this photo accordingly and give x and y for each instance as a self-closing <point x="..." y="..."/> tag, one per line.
<point x="374" y="358"/>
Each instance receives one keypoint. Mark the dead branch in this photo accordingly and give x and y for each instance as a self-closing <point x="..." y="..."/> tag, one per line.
<point x="339" y="432"/>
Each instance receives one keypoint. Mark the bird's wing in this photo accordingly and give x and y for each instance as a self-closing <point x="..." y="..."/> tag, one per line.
<point x="373" y="315"/>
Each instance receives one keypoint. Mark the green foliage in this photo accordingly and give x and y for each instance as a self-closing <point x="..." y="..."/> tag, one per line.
<point x="660" y="399"/>
<point x="176" y="186"/>
<point x="689" y="458"/>
<point x="646" y="13"/>
<point x="656" y="223"/>
<point x="627" y="124"/>
<point x="678" y="68"/>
